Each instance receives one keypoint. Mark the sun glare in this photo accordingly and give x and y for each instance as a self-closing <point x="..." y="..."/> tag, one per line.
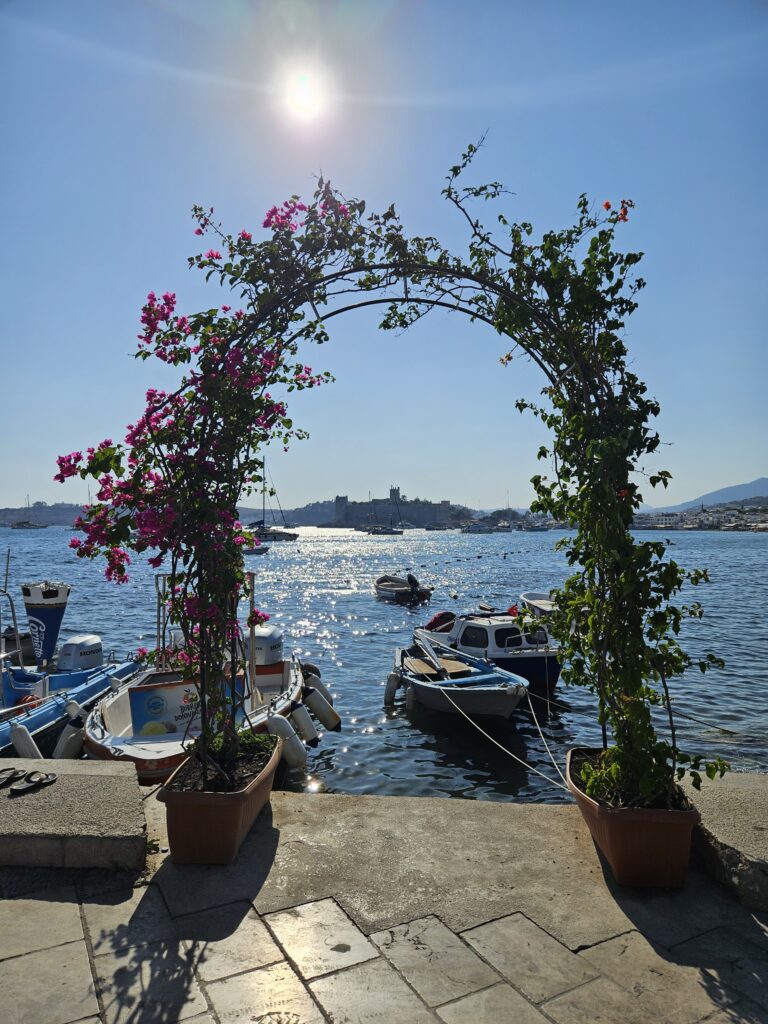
<point x="305" y="94"/>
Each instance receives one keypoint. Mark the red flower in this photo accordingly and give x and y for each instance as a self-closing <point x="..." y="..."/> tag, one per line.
<point x="606" y="205"/>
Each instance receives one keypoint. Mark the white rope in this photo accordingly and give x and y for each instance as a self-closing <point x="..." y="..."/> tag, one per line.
<point x="499" y="745"/>
<point x="541" y="734"/>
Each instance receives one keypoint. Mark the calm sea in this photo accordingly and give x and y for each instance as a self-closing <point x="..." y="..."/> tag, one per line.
<point x="320" y="589"/>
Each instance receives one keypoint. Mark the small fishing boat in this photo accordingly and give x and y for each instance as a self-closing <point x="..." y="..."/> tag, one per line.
<point x="537" y="602"/>
<point x="63" y="686"/>
<point x="383" y="531"/>
<point x="442" y="679"/>
<point x="402" y="590"/>
<point x="524" y="647"/>
<point x="27" y="524"/>
<point x="261" y="549"/>
<point x="153" y="721"/>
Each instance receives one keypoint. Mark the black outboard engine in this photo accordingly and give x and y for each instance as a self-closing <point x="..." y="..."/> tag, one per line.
<point x="414" y="584"/>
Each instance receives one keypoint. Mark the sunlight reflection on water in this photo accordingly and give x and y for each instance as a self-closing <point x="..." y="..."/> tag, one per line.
<point x="320" y="589"/>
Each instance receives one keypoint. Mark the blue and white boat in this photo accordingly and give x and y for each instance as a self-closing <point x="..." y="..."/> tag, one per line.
<point x="59" y="688"/>
<point x="442" y="679"/>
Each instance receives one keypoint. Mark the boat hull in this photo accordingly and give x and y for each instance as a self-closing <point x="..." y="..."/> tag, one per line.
<point x="477" y="701"/>
<point x="157" y="759"/>
<point x="540" y="671"/>
<point x="46" y="721"/>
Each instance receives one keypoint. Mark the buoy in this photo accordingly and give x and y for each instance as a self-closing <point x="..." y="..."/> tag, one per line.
<point x="23" y="741"/>
<point x="70" y="743"/>
<point x="28" y="702"/>
<point x="303" y="724"/>
<point x="394" y="682"/>
<point x="320" y="708"/>
<point x="294" y="751"/>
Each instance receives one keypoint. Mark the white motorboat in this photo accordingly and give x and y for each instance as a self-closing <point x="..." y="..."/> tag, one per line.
<point x="261" y="549"/>
<point x="537" y="602"/>
<point x="523" y="647"/>
<point x="153" y="721"/>
<point x="442" y="679"/>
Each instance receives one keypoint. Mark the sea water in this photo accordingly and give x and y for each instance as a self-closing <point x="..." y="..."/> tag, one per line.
<point x="320" y="590"/>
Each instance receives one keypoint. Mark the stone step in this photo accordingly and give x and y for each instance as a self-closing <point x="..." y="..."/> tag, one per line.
<point x="91" y="817"/>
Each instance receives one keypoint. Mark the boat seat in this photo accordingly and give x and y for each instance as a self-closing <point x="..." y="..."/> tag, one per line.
<point x="425" y="669"/>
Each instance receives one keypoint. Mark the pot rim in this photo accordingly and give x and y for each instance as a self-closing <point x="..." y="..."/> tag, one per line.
<point x="164" y="792"/>
<point x="646" y="814"/>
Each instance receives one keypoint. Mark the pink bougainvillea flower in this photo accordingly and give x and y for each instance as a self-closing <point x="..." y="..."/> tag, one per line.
<point x="213" y="254"/>
<point x="198" y="231"/>
<point x="246" y="235"/>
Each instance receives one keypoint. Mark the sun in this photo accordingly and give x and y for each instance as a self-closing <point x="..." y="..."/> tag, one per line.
<point x="305" y="93"/>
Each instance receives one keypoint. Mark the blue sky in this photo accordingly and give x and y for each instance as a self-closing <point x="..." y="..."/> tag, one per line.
<point x="117" y="117"/>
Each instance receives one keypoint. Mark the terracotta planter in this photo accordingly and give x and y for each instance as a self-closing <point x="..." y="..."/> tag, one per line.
<point x="644" y="846"/>
<point x="209" y="828"/>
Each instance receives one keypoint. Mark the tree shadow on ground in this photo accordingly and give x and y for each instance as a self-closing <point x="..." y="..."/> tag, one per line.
<point x="698" y="940"/>
<point x="154" y="945"/>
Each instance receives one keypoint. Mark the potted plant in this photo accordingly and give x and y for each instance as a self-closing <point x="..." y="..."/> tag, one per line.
<point x="171" y="489"/>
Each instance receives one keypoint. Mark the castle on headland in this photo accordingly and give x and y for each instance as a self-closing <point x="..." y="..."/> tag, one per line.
<point x="391" y="511"/>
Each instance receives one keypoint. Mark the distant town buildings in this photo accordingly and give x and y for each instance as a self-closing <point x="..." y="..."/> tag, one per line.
<point x="736" y="516"/>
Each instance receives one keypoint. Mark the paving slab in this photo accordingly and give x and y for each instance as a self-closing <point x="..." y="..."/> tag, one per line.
<point x="734" y="961"/>
<point x="500" y="1004"/>
<point x="371" y="993"/>
<point x="319" y="938"/>
<point x="434" y="960"/>
<point x="227" y="940"/>
<point x="160" y="974"/>
<point x="50" y="986"/>
<point x="601" y="1001"/>
<point x="687" y="994"/>
<point x="270" y="995"/>
<point x="532" y="960"/>
<point x="732" y="839"/>
<point x="39" y="920"/>
<point x="91" y="817"/>
<point x="387" y="860"/>
<point x="127" y="917"/>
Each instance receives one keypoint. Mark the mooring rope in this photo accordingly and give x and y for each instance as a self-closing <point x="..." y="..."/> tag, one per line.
<point x="502" y="747"/>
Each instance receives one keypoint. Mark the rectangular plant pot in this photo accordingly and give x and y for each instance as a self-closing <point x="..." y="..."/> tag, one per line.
<point x="644" y="846"/>
<point x="209" y="828"/>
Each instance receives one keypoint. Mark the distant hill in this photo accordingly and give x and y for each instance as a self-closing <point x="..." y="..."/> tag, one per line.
<point x="738" y="492"/>
<point x="60" y="514"/>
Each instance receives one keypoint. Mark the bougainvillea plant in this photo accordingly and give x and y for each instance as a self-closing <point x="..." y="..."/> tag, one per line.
<point x="172" y="487"/>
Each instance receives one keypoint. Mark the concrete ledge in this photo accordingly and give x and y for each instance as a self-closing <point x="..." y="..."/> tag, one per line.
<point x="731" y="842"/>
<point x="91" y="817"/>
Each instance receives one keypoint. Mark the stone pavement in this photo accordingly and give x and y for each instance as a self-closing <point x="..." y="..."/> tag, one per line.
<point x="353" y="910"/>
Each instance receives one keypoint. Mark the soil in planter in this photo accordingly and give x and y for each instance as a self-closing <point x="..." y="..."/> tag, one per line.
<point x="679" y="801"/>
<point x="253" y="756"/>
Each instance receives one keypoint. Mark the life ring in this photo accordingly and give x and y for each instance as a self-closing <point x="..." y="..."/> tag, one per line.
<point x="27" y="702"/>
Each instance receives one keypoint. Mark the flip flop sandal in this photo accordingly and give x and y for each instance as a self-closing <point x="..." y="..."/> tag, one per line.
<point x="34" y="780"/>
<point x="9" y="775"/>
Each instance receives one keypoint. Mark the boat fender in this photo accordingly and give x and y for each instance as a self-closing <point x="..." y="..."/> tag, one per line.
<point x="294" y="751"/>
<point x="394" y="682"/>
<point x="319" y="685"/>
<point x="70" y="743"/>
<point x="303" y="724"/>
<point x="410" y="698"/>
<point x="310" y="670"/>
<point x="23" y="741"/>
<point x="321" y="708"/>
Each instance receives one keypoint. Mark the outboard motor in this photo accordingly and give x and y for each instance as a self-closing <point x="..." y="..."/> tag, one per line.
<point x="45" y="603"/>
<point x="414" y="584"/>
